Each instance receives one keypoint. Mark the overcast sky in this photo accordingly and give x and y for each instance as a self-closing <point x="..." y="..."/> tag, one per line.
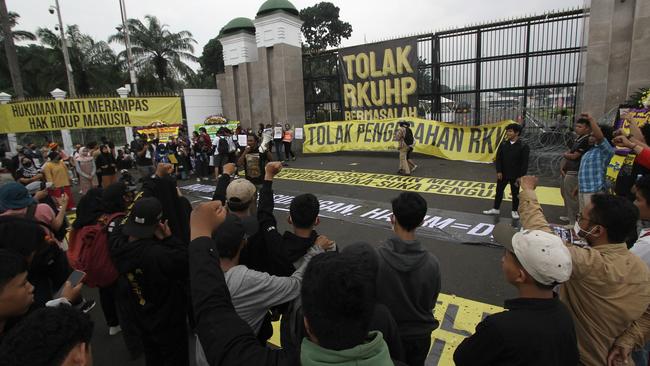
<point x="371" y="19"/>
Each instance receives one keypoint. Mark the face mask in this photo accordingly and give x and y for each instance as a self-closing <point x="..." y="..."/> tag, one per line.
<point x="581" y="233"/>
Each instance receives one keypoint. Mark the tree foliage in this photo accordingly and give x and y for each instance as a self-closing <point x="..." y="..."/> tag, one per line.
<point x="212" y="58"/>
<point x="19" y="35"/>
<point x="156" y="49"/>
<point x="322" y="27"/>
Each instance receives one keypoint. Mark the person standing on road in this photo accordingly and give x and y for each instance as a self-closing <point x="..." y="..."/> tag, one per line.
<point x="404" y="138"/>
<point x="537" y="329"/>
<point x="56" y="172"/>
<point x="593" y="165"/>
<point x="512" y="164"/>
<point x="287" y="138"/>
<point x="408" y="278"/>
<point x="570" y="166"/>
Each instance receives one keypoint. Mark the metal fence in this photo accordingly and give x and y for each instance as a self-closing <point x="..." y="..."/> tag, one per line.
<point x="513" y="69"/>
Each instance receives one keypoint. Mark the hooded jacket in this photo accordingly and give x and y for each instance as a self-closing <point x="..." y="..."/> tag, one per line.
<point x="372" y="353"/>
<point x="153" y="281"/>
<point x="408" y="283"/>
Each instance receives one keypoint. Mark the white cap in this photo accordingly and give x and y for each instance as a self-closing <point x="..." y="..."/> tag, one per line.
<point x="543" y="255"/>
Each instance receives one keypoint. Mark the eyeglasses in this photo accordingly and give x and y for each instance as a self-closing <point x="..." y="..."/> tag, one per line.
<point x="579" y="218"/>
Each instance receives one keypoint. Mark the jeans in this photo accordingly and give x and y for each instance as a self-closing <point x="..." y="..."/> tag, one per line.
<point x="287" y="150"/>
<point x="277" y="145"/>
<point x="514" y="190"/>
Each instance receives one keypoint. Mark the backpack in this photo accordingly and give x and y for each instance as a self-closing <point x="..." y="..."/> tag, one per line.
<point x="89" y="252"/>
<point x="223" y="148"/>
<point x="408" y="137"/>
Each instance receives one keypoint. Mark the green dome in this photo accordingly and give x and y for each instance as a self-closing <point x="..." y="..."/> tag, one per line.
<point x="238" y="24"/>
<point x="273" y="5"/>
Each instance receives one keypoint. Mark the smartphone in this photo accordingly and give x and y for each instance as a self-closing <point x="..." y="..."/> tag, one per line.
<point x="74" y="279"/>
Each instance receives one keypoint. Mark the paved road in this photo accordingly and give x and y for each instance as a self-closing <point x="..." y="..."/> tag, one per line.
<point x="470" y="271"/>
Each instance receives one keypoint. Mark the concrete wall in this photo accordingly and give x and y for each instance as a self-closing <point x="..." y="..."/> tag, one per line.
<point x="201" y="103"/>
<point x="618" y="55"/>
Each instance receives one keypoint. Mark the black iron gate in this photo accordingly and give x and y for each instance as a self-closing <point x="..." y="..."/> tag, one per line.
<point x="518" y="69"/>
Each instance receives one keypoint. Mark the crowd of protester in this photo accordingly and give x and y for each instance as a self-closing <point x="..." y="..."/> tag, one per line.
<point x="222" y="272"/>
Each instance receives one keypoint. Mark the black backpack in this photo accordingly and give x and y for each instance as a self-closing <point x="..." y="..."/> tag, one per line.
<point x="223" y="147"/>
<point x="408" y="137"/>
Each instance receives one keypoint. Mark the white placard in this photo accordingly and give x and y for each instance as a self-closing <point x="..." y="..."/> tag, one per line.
<point x="277" y="132"/>
<point x="242" y="140"/>
<point x="298" y="134"/>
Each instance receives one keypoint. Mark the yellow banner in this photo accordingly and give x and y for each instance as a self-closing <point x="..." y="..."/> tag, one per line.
<point x="49" y="115"/>
<point x="444" y="140"/>
<point x="164" y="134"/>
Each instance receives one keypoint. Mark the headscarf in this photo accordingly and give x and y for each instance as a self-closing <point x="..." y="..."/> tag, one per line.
<point x="84" y="155"/>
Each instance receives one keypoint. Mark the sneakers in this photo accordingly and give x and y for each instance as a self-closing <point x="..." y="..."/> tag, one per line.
<point x="293" y="159"/>
<point x="414" y="167"/>
<point x="515" y="215"/>
<point x="114" y="330"/>
<point x="492" y="211"/>
<point x="565" y="219"/>
<point x="198" y="179"/>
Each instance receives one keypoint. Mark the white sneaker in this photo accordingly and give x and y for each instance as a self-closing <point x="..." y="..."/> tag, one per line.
<point x="565" y="219"/>
<point x="114" y="330"/>
<point x="492" y="211"/>
<point x="414" y="167"/>
<point x="515" y="215"/>
<point x="198" y="179"/>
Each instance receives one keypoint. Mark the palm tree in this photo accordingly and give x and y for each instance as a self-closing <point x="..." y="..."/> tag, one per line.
<point x="9" y="22"/>
<point x="19" y="35"/>
<point x="95" y="65"/>
<point x="153" y="45"/>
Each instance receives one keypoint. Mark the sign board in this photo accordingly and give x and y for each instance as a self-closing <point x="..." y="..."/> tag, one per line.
<point x="379" y="80"/>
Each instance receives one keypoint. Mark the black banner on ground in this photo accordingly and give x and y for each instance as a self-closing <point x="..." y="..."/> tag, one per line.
<point x="379" y="80"/>
<point x="451" y="226"/>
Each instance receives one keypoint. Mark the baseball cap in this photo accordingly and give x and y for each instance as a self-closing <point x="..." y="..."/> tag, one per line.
<point x="240" y="191"/>
<point x="543" y="255"/>
<point x="14" y="195"/>
<point x="142" y="221"/>
<point x="235" y="229"/>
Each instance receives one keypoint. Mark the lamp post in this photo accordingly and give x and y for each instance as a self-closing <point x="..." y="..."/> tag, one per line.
<point x="129" y="55"/>
<point x="64" y="48"/>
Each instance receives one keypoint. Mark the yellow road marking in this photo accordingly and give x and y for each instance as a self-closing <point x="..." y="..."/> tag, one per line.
<point x="441" y="186"/>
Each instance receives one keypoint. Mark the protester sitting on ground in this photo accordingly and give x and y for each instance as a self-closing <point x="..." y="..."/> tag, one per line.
<point x="337" y="311"/>
<point x="253" y="293"/>
<point x="408" y="280"/>
<point x="57" y="336"/>
<point x="28" y="173"/>
<point x="152" y="264"/>
<point x="593" y="165"/>
<point x="511" y="164"/>
<point x="367" y="260"/>
<point x="609" y="287"/>
<point x="537" y="329"/>
<point x="15" y="200"/>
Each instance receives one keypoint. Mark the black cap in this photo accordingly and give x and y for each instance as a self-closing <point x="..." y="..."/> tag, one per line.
<point x="144" y="217"/>
<point x="235" y="229"/>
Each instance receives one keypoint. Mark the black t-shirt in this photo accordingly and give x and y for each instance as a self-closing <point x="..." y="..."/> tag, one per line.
<point x="581" y="145"/>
